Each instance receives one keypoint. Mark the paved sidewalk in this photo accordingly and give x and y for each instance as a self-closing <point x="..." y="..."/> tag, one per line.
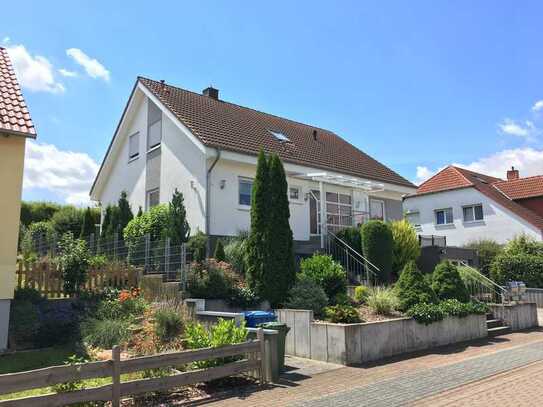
<point x="399" y="381"/>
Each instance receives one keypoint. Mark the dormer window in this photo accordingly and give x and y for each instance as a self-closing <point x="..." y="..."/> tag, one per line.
<point x="280" y="136"/>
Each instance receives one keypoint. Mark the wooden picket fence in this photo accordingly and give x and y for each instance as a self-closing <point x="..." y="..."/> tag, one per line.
<point x="252" y="362"/>
<point x="46" y="277"/>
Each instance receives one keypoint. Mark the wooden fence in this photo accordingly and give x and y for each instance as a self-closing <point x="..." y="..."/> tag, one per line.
<point x="46" y="277"/>
<point x="253" y="362"/>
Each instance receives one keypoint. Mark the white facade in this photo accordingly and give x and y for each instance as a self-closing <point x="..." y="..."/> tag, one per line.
<point x="184" y="164"/>
<point x="498" y="223"/>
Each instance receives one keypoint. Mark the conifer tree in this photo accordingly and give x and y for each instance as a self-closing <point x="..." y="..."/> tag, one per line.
<point x="140" y="212"/>
<point x="257" y="253"/>
<point x="280" y="276"/>
<point x="178" y="227"/>
<point x="106" y="222"/>
<point x="87" y="227"/>
<point x="125" y="214"/>
<point x="219" y="251"/>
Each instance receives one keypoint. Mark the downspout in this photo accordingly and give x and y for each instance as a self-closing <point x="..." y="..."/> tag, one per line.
<point x="208" y="200"/>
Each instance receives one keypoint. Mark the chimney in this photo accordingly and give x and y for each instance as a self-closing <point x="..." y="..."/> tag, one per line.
<point x="512" y="174"/>
<point x="315" y="135"/>
<point x="211" y="92"/>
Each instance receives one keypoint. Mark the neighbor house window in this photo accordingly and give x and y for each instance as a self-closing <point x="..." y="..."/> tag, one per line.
<point x="154" y="129"/>
<point x="444" y="216"/>
<point x="377" y="209"/>
<point x="245" y="188"/>
<point x="294" y="193"/>
<point x="473" y="213"/>
<point x="153" y="198"/>
<point x="133" y="146"/>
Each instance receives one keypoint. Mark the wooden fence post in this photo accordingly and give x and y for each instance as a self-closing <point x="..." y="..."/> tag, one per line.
<point x="260" y="337"/>
<point x="116" y="376"/>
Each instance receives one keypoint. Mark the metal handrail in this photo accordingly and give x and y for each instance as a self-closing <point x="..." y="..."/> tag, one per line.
<point x="356" y="253"/>
<point x="486" y="282"/>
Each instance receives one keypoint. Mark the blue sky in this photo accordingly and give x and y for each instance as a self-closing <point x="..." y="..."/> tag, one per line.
<point x="416" y="84"/>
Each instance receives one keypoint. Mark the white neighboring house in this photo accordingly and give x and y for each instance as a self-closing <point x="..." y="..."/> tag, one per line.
<point x="207" y="148"/>
<point x="464" y="206"/>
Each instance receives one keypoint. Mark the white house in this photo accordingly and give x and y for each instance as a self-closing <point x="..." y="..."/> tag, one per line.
<point x="465" y="206"/>
<point x="171" y="138"/>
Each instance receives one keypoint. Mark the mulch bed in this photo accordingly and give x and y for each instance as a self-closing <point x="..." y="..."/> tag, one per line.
<point x="368" y="315"/>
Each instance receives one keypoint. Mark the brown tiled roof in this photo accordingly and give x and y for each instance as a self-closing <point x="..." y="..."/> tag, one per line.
<point x="453" y="177"/>
<point x="14" y="116"/>
<point x="232" y="127"/>
<point x="522" y="188"/>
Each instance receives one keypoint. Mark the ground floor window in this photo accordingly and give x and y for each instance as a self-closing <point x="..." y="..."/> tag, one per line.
<point x="377" y="209"/>
<point x="339" y="211"/>
<point x="153" y="198"/>
<point x="245" y="189"/>
<point x="444" y="216"/>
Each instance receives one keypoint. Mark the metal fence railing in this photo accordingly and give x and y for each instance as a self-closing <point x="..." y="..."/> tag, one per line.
<point x="432" y="240"/>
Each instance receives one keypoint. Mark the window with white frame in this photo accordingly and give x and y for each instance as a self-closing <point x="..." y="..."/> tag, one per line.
<point x="473" y="213"/>
<point x="339" y="211"/>
<point x="134" y="146"/>
<point x="413" y="218"/>
<point x="153" y="198"/>
<point x="294" y="193"/>
<point x="377" y="209"/>
<point x="444" y="216"/>
<point x="154" y="129"/>
<point x="245" y="191"/>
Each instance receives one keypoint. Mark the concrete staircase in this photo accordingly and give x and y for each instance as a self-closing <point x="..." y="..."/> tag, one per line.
<point x="495" y="326"/>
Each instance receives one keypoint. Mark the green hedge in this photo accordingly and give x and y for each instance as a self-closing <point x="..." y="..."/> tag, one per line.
<point x="428" y="313"/>
<point x="519" y="267"/>
<point x="377" y="243"/>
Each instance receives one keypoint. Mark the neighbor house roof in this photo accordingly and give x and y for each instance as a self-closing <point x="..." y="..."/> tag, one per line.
<point x="14" y="115"/>
<point x="452" y="177"/>
<point x="228" y="126"/>
<point x="521" y="188"/>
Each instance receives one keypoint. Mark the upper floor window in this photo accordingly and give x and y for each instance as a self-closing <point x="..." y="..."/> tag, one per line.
<point x="133" y="146"/>
<point x="154" y="129"/>
<point x="245" y="190"/>
<point x="444" y="216"/>
<point x="377" y="209"/>
<point x="473" y="213"/>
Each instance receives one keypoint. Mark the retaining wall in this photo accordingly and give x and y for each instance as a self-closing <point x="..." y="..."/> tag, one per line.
<point x="535" y="295"/>
<point x="358" y="343"/>
<point x="517" y="316"/>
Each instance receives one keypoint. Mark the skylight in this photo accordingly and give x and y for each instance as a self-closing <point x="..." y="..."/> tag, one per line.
<point x="280" y="136"/>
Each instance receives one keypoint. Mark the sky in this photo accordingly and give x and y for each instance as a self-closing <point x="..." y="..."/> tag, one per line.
<point x="418" y="85"/>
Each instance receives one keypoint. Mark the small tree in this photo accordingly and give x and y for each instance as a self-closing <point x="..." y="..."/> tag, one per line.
<point x="87" y="228"/>
<point x="125" y="214"/>
<point x="406" y="244"/>
<point x="447" y="283"/>
<point x="106" y="222"/>
<point x="178" y="227"/>
<point x="257" y="245"/>
<point x="280" y="275"/>
<point x="140" y="212"/>
<point x="412" y="288"/>
<point x="197" y="244"/>
<point x="219" y="251"/>
<point x="378" y="244"/>
<point x="74" y="263"/>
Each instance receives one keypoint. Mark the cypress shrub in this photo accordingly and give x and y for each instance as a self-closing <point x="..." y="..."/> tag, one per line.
<point x="257" y="245"/>
<point x="219" y="251"/>
<point x="280" y="275"/>
<point x="447" y="283"/>
<point x="87" y="228"/>
<point x="377" y="243"/>
<point x="178" y="227"/>
<point x="412" y="288"/>
<point x="125" y="214"/>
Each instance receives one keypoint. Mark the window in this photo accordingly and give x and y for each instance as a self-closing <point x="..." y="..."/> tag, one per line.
<point x="133" y="146"/>
<point x="245" y="189"/>
<point x="444" y="216"/>
<point x="294" y="193"/>
<point x="413" y="218"/>
<point x="338" y="211"/>
<point x="473" y="213"/>
<point x="154" y="129"/>
<point x="153" y="198"/>
<point x="280" y="136"/>
<point x="377" y="209"/>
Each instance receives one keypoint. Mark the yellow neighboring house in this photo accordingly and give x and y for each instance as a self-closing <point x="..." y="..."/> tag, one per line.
<point x="15" y="127"/>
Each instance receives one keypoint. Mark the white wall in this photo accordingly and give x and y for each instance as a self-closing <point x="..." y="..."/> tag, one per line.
<point x="183" y="162"/>
<point x="129" y="176"/>
<point x="498" y="223"/>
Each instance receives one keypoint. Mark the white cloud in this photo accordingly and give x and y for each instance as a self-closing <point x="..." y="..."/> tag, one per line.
<point x="423" y="173"/>
<point x="537" y="106"/>
<point x="93" y="68"/>
<point x="67" y="73"/>
<point x="34" y="73"/>
<point x="526" y="131"/>
<point x="67" y="174"/>
<point x="6" y="40"/>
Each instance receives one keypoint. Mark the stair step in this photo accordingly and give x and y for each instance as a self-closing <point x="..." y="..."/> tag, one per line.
<point x="501" y="330"/>
<point x="489" y="316"/>
<point x="494" y="323"/>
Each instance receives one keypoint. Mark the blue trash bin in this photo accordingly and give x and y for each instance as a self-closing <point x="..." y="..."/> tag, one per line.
<point x="254" y="318"/>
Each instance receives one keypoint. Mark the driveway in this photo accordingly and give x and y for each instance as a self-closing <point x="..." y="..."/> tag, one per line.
<point x="489" y="372"/>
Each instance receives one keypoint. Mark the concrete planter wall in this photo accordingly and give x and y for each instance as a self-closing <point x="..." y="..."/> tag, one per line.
<point x="223" y="306"/>
<point x="358" y="343"/>
<point x="535" y="295"/>
<point x="517" y="316"/>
